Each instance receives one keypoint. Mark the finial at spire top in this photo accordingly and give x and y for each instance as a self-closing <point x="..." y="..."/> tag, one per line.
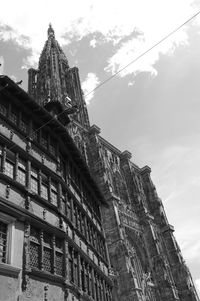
<point x="50" y="31"/>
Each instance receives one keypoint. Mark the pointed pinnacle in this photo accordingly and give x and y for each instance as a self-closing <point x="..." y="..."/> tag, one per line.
<point x="50" y="31"/>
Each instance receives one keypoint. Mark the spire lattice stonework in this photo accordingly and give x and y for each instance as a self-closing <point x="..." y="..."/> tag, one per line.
<point x="55" y="81"/>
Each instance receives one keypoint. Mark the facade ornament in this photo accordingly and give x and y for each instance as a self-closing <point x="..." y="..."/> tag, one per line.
<point x="44" y="214"/>
<point x="28" y="146"/>
<point x="7" y="191"/>
<point x="11" y="135"/>
<point x="46" y="287"/>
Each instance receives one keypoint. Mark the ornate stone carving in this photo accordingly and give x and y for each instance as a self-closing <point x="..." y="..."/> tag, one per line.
<point x="7" y="191"/>
<point x="46" y="287"/>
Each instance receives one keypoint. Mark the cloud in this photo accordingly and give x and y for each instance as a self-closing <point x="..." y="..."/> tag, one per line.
<point x="115" y="20"/>
<point x="1" y="64"/>
<point x="93" y="43"/>
<point x="8" y="33"/>
<point x="90" y="83"/>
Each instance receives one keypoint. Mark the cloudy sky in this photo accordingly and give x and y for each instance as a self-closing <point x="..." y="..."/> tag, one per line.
<point x="152" y="108"/>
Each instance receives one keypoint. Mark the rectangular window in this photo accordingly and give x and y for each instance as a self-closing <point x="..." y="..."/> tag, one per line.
<point x="63" y="203"/>
<point x="35" y="132"/>
<point x="52" y="147"/>
<point x="24" y="124"/>
<point x="82" y="267"/>
<point x="70" y="263"/>
<point x="10" y="164"/>
<point x="34" y="180"/>
<point x="76" y="268"/>
<point x="3" y="242"/>
<point x="47" y="253"/>
<point x="9" y="169"/>
<point x="54" y="193"/>
<point x="90" y="283"/>
<point x="44" y="140"/>
<point x="21" y="172"/>
<point x="59" y="258"/>
<point x="34" y="248"/>
<point x="13" y="116"/>
<point x="69" y="208"/>
<point x="6" y="238"/>
<point x="45" y="247"/>
<point x="44" y="187"/>
<point x="63" y="168"/>
<point x="3" y="108"/>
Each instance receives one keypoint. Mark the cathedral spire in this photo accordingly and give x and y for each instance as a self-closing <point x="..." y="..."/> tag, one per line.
<point x="50" y="31"/>
<point x="54" y="81"/>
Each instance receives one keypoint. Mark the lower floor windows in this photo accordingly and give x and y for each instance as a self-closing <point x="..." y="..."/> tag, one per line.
<point x="6" y="237"/>
<point x="46" y="252"/>
<point x="47" y="259"/>
<point x="34" y="255"/>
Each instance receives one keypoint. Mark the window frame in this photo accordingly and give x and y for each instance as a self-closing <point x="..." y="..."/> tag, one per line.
<point x="10" y="221"/>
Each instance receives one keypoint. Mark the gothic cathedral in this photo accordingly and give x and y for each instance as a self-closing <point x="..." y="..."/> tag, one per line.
<point x="92" y="226"/>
